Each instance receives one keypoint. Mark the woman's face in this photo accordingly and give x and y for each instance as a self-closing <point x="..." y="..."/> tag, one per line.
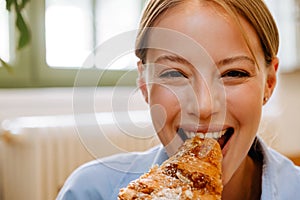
<point x="220" y="92"/>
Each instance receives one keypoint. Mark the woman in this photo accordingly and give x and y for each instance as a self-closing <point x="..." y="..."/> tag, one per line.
<point x="206" y="67"/>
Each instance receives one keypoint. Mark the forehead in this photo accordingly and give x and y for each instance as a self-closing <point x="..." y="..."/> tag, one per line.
<point x="210" y="27"/>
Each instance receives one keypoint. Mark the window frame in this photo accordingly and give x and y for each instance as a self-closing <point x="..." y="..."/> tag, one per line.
<point x="31" y="70"/>
<point x="29" y="64"/>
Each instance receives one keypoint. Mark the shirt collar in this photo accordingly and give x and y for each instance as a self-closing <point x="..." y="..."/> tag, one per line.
<point x="161" y="155"/>
<point x="269" y="186"/>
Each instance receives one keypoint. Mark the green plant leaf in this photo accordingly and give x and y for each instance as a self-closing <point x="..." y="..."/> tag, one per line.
<point x="25" y="36"/>
<point x="8" y="4"/>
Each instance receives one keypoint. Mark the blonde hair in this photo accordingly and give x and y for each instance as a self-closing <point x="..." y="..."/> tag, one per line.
<point x="254" y="11"/>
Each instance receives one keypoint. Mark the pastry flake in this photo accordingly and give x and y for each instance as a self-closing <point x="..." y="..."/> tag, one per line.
<point x="194" y="172"/>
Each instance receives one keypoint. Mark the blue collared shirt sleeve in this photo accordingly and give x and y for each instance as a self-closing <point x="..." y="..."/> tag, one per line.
<point x="87" y="182"/>
<point x="102" y="179"/>
<point x="281" y="178"/>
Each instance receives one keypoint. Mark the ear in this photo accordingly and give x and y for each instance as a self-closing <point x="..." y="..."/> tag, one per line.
<point x="271" y="79"/>
<point x="141" y="80"/>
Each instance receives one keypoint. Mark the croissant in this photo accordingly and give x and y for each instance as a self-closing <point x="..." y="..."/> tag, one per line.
<point x="194" y="172"/>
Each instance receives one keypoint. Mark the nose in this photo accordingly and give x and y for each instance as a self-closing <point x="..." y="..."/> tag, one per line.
<point x="202" y="100"/>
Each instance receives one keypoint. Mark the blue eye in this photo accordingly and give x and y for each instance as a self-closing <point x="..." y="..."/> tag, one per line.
<point x="236" y="74"/>
<point x="172" y="74"/>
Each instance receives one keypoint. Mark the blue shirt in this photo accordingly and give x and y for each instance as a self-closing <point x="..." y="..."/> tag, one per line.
<point x="102" y="179"/>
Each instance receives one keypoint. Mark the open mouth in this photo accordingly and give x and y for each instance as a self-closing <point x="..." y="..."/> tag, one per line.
<point x="222" y="136"/>
<point x="225" y="137"/>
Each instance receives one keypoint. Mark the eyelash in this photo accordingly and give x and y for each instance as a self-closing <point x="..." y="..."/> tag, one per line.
<point x="228" y="74"/>
<point x="236" y="74"/>
<point x="172" y="74"/>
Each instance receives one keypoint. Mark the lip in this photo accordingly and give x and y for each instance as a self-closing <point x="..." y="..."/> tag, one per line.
<point x="204" y="128"/>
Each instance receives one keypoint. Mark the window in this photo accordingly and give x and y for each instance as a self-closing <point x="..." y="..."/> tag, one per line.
<point x="65" y="34"/>
<point x="75" y="28"/>
<point x="69" y="32"/>
<point x="4" y="36"/>
<point x="285" y="14"/>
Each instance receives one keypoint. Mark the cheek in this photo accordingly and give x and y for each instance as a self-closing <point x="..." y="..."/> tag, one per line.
<point x="245" y="104"/>
<point x="244" y="112"/>
<point x="164" y="106"/>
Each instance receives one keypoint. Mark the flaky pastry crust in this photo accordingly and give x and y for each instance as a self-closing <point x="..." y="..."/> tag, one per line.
<point x="194" y="172"/>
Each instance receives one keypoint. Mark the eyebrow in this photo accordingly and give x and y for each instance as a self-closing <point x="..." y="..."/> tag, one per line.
<point x="234" y="59"/>
<point x="226" y="61"/>
<point x="172" y="58"/>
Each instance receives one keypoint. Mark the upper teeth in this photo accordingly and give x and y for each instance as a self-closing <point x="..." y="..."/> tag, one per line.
<point x="213" y="135"/>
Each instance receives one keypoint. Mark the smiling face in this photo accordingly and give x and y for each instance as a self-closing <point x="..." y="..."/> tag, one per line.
<point x="218" y="92"/>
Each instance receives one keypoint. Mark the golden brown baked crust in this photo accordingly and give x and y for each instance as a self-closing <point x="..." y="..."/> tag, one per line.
<point x="194" y="172"/>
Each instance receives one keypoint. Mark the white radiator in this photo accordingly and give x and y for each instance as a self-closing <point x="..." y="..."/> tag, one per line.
<point x="39" y="153"/>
